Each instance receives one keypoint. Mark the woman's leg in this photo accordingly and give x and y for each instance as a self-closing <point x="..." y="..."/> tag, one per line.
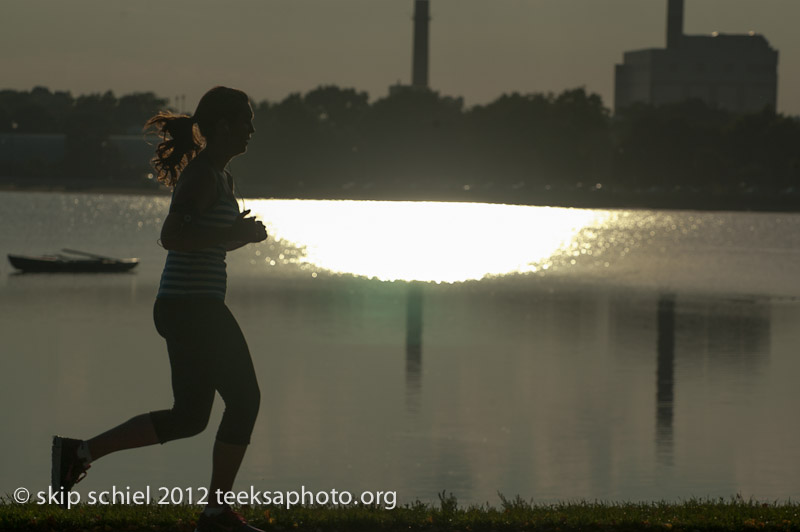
<point x="227" y="458"/>
<point x="192" y="389"/>
<point x="194" y="396"/>
<point x="235" y="379"/>
<point x="136" y="432"/>
<point x="182" y="324"/>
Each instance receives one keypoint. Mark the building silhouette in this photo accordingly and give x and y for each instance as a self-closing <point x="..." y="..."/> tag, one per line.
<point x="734" y="72"/>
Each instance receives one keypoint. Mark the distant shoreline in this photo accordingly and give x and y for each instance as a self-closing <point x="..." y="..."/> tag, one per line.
<point x="789" y="203"/>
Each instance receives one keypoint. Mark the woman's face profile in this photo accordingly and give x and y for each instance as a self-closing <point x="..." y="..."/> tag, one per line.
<point x="234" y="133"/>
<point x="240" y="129"/>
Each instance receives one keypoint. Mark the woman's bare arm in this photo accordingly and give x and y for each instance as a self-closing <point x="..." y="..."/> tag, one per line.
<point x="195" y="194"/>
<point x="179" y="233"/>
<point x="232" y="246"/>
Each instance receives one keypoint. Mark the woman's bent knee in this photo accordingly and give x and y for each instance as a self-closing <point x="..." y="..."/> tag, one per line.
<point x="239" y="418"/>
<point x="174" y="425"/>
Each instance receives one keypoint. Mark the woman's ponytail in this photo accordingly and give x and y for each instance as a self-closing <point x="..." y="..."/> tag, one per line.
<point x="184" y="136"/>
<point x="180" y="143"/>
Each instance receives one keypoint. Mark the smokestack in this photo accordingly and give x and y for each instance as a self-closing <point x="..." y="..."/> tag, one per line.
<point x="674" y="22"/>
<point x="419" y="73"/>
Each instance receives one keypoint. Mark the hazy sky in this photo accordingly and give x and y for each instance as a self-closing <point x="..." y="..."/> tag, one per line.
<point x="270" y="48"/>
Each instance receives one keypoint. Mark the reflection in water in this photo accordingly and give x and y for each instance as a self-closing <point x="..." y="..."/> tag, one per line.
<point x="547" y="394"/>
<point x="719" y="338"/>
<point x="665" y="375"/>
<point x="422" y="241"/>
<point x="413" y="346"/>
<point x="732" y="337"/>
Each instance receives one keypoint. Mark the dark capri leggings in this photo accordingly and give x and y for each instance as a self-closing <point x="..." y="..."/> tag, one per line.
<point x="207" y="353"/>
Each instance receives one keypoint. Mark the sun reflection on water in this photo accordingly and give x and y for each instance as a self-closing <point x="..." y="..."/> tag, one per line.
<point x="421" y="241"/>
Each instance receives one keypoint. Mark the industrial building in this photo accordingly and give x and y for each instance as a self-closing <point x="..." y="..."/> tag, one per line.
<point x="734" y="72"/>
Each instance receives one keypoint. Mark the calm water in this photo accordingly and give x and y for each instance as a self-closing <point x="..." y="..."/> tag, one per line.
<point x="551" y="353"/>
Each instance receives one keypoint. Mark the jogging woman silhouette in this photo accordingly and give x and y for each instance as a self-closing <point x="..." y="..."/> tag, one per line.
<point x="207" y="351"/>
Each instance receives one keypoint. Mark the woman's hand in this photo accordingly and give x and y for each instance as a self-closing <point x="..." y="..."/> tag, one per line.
<point x="247" y="229"/>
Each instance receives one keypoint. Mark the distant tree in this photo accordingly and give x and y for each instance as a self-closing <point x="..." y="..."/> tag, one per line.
<point x="412" y="137"/>
<point x="283" y="149"/>
<point x="306" y="141"/>
<point x="580" y="138"/>
<point x="88" y="152"/>
<point x="541" y="139"/>
<point x="763" y="151"/>
<point x="672" y="145"/>
<point x="336" y="108"/>
<point x="10" y="103"/>
<point x="37" y="111"/>
<point x="508" y="139"/>
<point x="133" y="110"/>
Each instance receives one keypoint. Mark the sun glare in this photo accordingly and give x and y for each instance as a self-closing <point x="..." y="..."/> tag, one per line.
<point x="421" y="241"/>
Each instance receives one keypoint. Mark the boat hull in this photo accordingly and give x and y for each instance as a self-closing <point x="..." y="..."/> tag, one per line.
<point x="62" y="265"/>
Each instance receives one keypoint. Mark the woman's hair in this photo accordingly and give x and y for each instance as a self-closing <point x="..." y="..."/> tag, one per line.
<point x="181" y="140"/>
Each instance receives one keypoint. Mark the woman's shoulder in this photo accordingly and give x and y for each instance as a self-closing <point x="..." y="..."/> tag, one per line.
<point x="197" y="187"/>
<point x="198" y="169"/>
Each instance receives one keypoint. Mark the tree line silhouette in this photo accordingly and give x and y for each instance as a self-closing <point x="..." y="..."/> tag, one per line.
<point x="333" y="142"/>
<point x="87" y="123"/>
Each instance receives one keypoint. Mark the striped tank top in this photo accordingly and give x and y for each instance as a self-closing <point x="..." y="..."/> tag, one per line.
<point x="201" y="273"/>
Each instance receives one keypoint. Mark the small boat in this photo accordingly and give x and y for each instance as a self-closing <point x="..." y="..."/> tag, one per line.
<point x="58" y="263"/>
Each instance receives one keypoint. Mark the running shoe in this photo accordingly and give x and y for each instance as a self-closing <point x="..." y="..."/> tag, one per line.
<point x="226" y="521"/>
<point x="67" y="468"/>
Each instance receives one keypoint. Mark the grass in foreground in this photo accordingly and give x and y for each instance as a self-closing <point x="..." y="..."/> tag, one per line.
<point x="513" y="514"/>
